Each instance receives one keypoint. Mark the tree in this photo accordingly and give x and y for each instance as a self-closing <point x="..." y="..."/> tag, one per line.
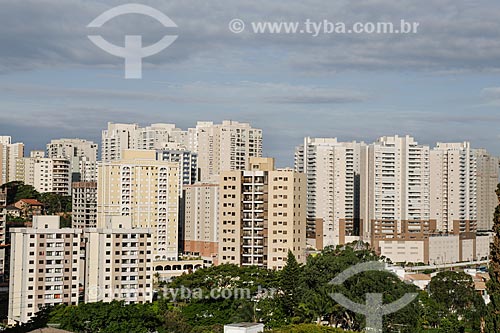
<point x="492" y="320"/>
<point x="289" y="286"/>
<point x="456" y="295"/>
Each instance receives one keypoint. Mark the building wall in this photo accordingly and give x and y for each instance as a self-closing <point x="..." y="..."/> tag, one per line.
<point x="332" y="169"/>
<point x="444" y="249"/>
<point x="84" y="205"/>
<point x="259" y="215"/>
<point x="45" y="269"/>
<point x="201" y="223"/>
<point x="403" y="251"/>
<point x="118" y="264"/>
<point x="9" y="153"/>
<point x="487" y="181"/>
<point x="453" y="187"/>
<point x="147" y="190"/>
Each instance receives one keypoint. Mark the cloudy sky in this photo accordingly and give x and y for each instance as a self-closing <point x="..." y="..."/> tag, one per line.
<point x="441" y="84"/>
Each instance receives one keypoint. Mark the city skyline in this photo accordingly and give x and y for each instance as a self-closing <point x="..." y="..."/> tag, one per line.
<point x="436" y="85"/>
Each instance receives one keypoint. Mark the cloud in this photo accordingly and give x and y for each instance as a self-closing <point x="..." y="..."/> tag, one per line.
<point x="202" y="92"/>
<point x="453" y="35"/>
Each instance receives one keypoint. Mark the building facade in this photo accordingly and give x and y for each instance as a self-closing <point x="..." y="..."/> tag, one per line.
<point x="45" y="269"/>
<point x="118" y="262"/>
<point x="453" y="186"/>
<point x="84" y="205"/>
<point x="9" y="153"/>
<point x="394" y="191"/>
<point x="115" y="139"/>
<point x="262" y="215"/>
<point x="487" y="180"/>
<point x="332" y="169"/>
<point x="145" y="189"/>
<point x="201" y="221"/>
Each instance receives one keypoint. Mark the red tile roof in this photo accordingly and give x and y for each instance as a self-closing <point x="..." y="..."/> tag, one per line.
<point x="32" y="202"/>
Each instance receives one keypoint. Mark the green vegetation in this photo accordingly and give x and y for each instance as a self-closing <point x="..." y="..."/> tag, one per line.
<point x="492" y="322"/>
<point x="54" y="204"/>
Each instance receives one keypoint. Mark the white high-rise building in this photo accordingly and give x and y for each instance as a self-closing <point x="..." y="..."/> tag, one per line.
<point x="82" y="155"/>
<point x="156" y="136"/>
<point x="145" y="189"/>
<point x="9" y="153"/>
<point x="453" y="187"/>
<point x="224" y="147"/>
<point x="395" y="189"/>
<point x="45" y="174"/>
<point x="487" y="182"/>
<point x="115" y="139"/>
<point x="332" y="169"/>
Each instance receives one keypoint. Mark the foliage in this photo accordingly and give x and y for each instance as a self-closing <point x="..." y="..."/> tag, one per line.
<point x="492" y="320"/>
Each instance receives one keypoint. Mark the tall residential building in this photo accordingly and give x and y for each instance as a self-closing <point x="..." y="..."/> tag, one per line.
<point x="9" y="153"/>
<point x="224" y="147"/>
<point x="156" y="136"/>
<point x="453" y="187"/>
<point x="188" y="164"/>
<point x="262" y="215"/>
<point x="52" y="175"/>
<point x="394" y="189"/>
<point x="45" y="174"/>
<point x="115" y="139"/>
<point x="201" y="220"/>
<point x="3" y="231"/>
<point x="139" y="186"/>
<point x="487" y="181"/>
<point x="84" y="205"/>
<point x="45" y="269"/>
<point x="332" y="169"/>
<point x="118" y="262"/>
<point x="82" y="155"/>
<point x="54" y="265"/>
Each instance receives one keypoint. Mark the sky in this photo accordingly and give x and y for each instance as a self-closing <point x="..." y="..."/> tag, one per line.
<point x="441" y="84"/>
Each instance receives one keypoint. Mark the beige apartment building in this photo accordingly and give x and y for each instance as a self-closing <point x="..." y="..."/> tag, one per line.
<point x="487" y="179"/>
<point x="201" y="221"/>
<point x="118" y="262"/>
<point x="332" y="169"/>
<point x="262" y="215"/>
<point x="9" y="153"/>
<point x="224" y="147"/>
<point x="453" y="186"/>
<point x="84" y="205"/>
<point x="145" y="189"/>
<point x="45" y="268"/>
<point x="115" y="139"/>
<point x="54" y="265"/>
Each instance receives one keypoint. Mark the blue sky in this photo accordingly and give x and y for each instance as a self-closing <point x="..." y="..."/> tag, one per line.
<point x="441" y="84"/>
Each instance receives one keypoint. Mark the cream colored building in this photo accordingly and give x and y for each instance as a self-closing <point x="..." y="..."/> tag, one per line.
<point x="145" y="189"/>
<point x="45" y="174"/>
<point x="394" y="190"/>
<point x="118" y="262"/>
<point x="332" y="169"/>
<point x="201" y="221"/>
<point x="487" y="181"/>
<point x="45" y="268"/>
<point x="453" y="186"/>
<point x="9" y="153"/>
<point x="156" y="136"/>
<point x="262" y="215"/>
<point x="224" y="147"/>
<point x="115" y="139"/>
